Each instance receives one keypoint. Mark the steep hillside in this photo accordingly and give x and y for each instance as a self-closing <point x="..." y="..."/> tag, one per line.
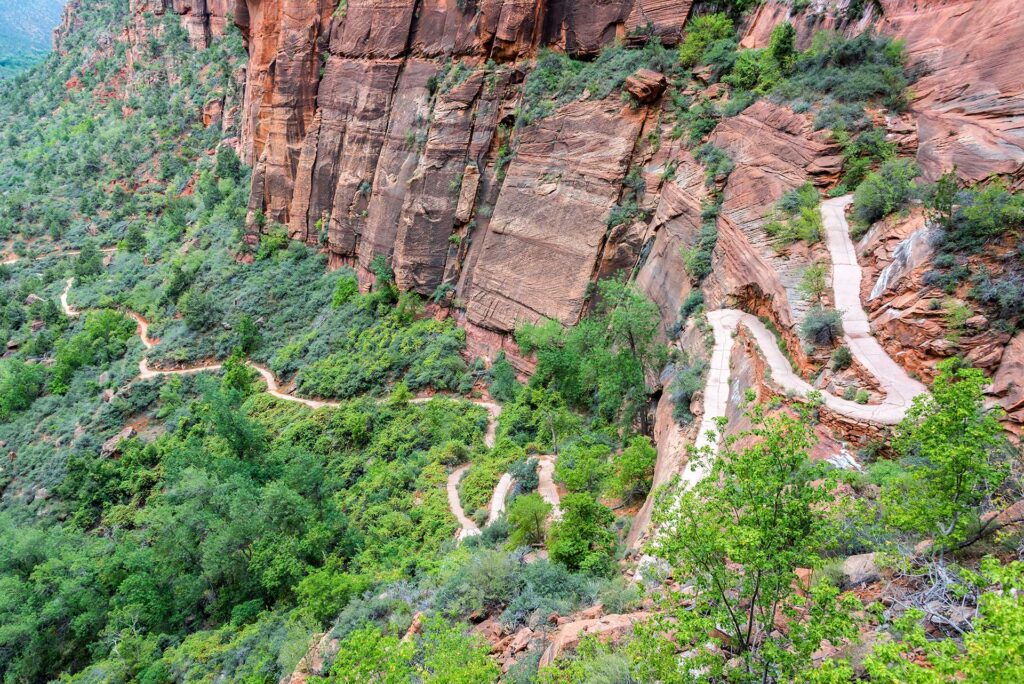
<point x="492" y="340"/>
<point x="26" y="30"/>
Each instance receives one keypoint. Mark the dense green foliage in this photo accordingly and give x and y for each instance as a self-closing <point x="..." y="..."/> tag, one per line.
<point x="885" y="191"/>
<point x="603" y="361"/>
<point x="557" y="79"/>
<point x="220" y="535"/>
<point x="236" y="512"/>
<point x="947" y="440"/>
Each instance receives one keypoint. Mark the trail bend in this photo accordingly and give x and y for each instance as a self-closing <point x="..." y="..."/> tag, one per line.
<point x="900" y="389"/>
<point x="467" y="527"/>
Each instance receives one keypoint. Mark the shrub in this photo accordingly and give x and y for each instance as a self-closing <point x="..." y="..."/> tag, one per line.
<point x="864" y="68"/>
<point x="797" y="216"/>
<point x="345" y="289"/>
<point x="274" y="240"/>
<point x="693" y="301"/>
<point x="698" y="259"/>
<point x="842" y="358"/>
<point x="20" y="384"/>
<point x="524" y="472"/>
<point x="701" y="32"/>
<point x="885" y="191"/>
<point x="199" y="309"/>
<point x="1004" y="294"/>
<point x="981" y="215"/>
<point x="717" y="163"/>
<point x="688" y="381"/>
<point x="822" y="327"/>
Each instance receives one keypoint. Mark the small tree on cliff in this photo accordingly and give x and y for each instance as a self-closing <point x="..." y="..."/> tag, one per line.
<point x="738" y="536"/>
<point x="949" y="441"/>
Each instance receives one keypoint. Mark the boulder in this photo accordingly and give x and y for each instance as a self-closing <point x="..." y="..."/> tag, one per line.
<point x="859" y="569"/>
<point x="646" y="85"/>
<point x="110" y="447"/>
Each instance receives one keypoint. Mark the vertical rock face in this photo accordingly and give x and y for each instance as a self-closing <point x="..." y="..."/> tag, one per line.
<point x="548" y="229"/>
<point x="388" y="129"/>
<point x="774" y="151"/>
<point x="395" y="129"/>
<point x="968" y="101"/>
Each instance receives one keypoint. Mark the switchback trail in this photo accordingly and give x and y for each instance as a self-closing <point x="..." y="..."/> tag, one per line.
<point x="467" y="526"/>
<point x="900" y="388"/>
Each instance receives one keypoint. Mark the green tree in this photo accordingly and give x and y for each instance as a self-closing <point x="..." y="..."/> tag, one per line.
<point x="527" y="516"/>
<point x="940" y="198"/>
<point x="345" y="289"/>
<point x="367" y="655"/>
<point x="949" y="442"/>
<point x="635" y="467"/>
<point x="604" y="361"/>
<point x="89" y="261"/>
<point x="585" y="468"/>
<point x="199" y="309"/>
<point x="813" y="281"/>
<point x="20" y="384"/>
<point x="782" y="46"/>
<point x="248" y="334"/>
<point x="228" y="163"/>
<point x="135" y="238"/>
<point x="238" y="376"/>
<point x="504" y="385"/>
<point x="738" y="535"/>
<point x="583" y="539"/>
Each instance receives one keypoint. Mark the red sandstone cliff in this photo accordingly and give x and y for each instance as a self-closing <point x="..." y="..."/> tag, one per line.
<point x="389" y="128"/>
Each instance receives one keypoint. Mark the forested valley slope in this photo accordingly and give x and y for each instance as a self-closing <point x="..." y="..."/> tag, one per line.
<point x="539" y="342"/>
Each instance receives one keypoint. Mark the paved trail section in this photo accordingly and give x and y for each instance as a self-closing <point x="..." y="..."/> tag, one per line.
<point x="546" y="485"/>
<point x="467" y="528"/>
<point x="498" y="498"/>
<point x="900" y="389"/>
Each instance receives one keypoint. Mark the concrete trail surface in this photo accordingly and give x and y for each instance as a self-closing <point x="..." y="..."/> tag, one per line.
<point x="900" y="388"/>
<point x="498" y="498"/>
<point x="546" y="485"/>
<point x="467" y="528"/>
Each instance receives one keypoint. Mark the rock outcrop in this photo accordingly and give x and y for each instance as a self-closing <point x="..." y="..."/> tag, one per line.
<point x="966" y="104"/>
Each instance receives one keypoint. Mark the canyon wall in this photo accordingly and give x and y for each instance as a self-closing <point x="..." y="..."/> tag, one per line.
<point x="401" y="129"/>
